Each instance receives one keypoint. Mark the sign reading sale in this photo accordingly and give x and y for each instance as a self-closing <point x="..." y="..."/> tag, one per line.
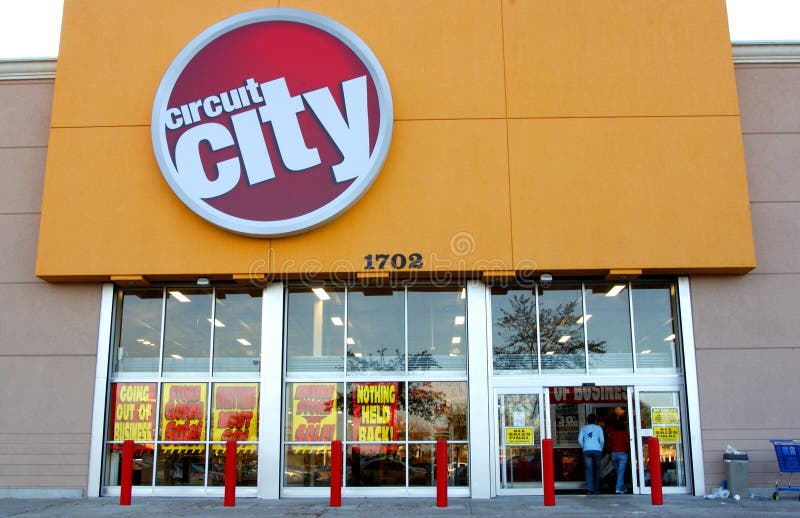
<point x="272" y="122"/>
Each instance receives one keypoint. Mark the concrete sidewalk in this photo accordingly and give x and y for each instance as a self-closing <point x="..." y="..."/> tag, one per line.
<point x="598" y="506"/>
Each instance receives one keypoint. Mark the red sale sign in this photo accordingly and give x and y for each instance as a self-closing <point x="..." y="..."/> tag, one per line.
<point x="272" y="122"/>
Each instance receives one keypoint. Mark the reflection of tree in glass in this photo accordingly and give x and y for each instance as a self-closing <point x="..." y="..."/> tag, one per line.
<point x="517" y="329"/>
<point x="382" y="362"/>
<point x="425" y="403"/>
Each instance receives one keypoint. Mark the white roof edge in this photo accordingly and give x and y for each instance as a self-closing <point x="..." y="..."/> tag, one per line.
<point x="17" y="69"/>
<point x="766" y="52"/>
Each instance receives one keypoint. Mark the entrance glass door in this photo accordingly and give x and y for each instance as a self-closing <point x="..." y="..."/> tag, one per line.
<point x="519" y="434"/>
<point x="661" y="415"/>
<point x="567" y="412"/>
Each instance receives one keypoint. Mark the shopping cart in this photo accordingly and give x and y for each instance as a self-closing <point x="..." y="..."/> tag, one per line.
<point x="788" y="453"/>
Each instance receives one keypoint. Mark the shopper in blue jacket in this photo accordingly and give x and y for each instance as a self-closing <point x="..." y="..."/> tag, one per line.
<point x="591" y="440"/>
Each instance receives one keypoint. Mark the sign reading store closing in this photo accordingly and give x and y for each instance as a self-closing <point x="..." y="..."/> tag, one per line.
<point x="272" y="122"/>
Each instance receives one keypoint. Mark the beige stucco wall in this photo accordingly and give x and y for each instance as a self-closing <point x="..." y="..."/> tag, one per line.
<point x="746" y="331"/>
<point x="48" y="332"/>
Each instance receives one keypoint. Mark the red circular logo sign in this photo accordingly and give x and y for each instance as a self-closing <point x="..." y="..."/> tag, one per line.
<point x="272" y="122"/>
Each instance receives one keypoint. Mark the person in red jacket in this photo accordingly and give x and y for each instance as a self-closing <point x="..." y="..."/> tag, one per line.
<point x="620" y="441"/>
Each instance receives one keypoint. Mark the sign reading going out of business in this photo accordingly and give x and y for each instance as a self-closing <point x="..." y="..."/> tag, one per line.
<point x="272" y="122"/>
<point x="133" y="415"/>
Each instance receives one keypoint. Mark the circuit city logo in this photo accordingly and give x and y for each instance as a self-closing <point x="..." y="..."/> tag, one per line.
<point x="272" y="122"/>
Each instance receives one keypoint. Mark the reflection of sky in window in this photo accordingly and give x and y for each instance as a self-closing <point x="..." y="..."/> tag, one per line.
<point x="240" y="314"/>
<point x="140" y="332"/>
<point x="436" y="322"/>
<point x="187" y="331"/>
<point x="375" y="325"/>
<point x="655" y="327"/>
<point x="315" y="327"/>
<point x="610" y="323"/>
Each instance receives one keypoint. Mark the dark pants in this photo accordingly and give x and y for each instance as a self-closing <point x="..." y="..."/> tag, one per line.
<point x="591" y="460"/>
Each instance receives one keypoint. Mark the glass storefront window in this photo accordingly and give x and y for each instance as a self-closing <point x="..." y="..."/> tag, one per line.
<point x="437" y="410"/>
<point x="608" y="327"/>
<point x="375" y="329"/>
<point x="655" y="319"/>
<point x="307" y="466"/>
<point x="315" y="331"/>
<point x="515" y="328"/>
<point x="138" y="341"/>
<point x="550" y="330"/>
<point x="378" y="465"/>
<point x="187" y="330"/>
<point x="237" y="330"/>
<point x="561" y="319"/>
<point x="437" y="330"/>
<point x="180" y="417"/>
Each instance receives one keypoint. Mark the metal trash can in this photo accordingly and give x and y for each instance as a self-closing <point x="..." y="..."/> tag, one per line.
<point x="737" y="472"/>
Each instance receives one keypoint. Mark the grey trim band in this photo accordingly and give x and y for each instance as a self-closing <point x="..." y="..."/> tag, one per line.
<point x="17" y="69"/>
<point x="766" y="52"/>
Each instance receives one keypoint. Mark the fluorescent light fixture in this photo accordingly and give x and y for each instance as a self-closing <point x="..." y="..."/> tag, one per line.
<point x="321" y="293"/>
<point x="584" y="318"/>
<point x="459" y="320"/>
<point x="549" y="353"/>
<point x="613" y="292"/>
<point x="358" y="355"/>
<point x="337" y="321"/>
<point x="243" y="341"/>
<point x="177" y="356"/>
<point x="646" y="351"/>
<point x="141" y="340"/>
<point x="216" y="322"/>
<point x="180" y="296"/>
<point x="456" y="340"/>
<point x="670" y="338"/>
<point x="463" y="293"/>
<point x="350" y="341"/>
<point x="564" y="339"/>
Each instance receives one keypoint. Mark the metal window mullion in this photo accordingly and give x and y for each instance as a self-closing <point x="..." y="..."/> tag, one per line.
<point x="538" y="330"/>
<point x="164" y="296"/>
<point x="346" y="326"/>
<point x="213" y="330"/>
<point x="585" y="330"/>
<point x="405" y="345"/>
<point x="633" y="326"/>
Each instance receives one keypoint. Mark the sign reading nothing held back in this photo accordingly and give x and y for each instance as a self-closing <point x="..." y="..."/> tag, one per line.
<point x="375" y="412"/>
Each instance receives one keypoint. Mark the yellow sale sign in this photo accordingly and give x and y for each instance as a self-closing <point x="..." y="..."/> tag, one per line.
<point x="521" y="435"/>
<point x="235" y="412"/>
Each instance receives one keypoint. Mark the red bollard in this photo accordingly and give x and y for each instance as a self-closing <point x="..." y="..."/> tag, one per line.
<point x="230" y="474"/>
<point x="441" y="473"/>
<point x="336" y="473"/>
<point x="548" y="479"/>
<point x="654" y="449"/>
<point x="126" y="483"/>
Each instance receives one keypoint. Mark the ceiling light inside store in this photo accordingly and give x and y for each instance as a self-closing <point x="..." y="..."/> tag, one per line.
<point x="583" y="319"/>
<point x="463" y="293"/>
<point x="350" y="341"/>
<point x="358" y="355"/>
<point x="337" y="321"/>
<point x="243" y="341"/>
<point x="456" y="340"/>
<point x="179" y="296"/>
<point x="646" y="351"/>
<point x="216" y="322"/>
<point x="177" y="356"/>
<point x="549" y="353"/>
<point x="459" y="320"/>
<point x="564" y="339"/>
<point x="613" y="292"/>
<point x="670" y="338"/>
<point x="321" y="293"/>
